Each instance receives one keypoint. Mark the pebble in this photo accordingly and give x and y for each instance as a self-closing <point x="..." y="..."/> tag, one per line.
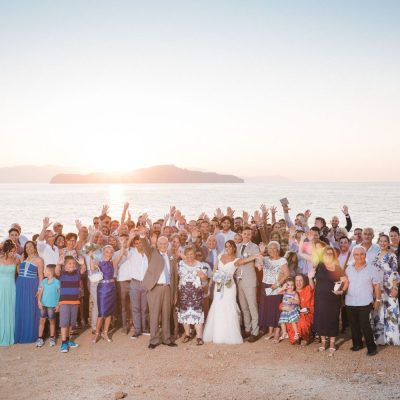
<point x="120" y="395"/>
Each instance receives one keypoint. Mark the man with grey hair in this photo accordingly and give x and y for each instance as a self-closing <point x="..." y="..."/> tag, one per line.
<point x="364" y="285"/>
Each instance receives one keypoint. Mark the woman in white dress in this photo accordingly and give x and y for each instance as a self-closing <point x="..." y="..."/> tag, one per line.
<point x="223" y="321"/>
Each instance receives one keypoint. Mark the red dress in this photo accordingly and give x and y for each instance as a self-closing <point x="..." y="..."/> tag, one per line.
<point x="304" y="325"/>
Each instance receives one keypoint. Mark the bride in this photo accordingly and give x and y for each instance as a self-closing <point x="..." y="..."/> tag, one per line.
<point x="223" y="321"/>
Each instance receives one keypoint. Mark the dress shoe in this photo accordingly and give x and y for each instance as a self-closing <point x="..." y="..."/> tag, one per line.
<point x="246" y="335"/>
<point x="372" y="353"/>
<point x="253" y="338"/>
<point x="172" y="344"/>
<point x="152" y="346"/>
<point x="356" y="348"/>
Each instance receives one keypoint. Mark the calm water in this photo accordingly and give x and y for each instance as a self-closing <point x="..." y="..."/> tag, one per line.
<point x="370" y="204"/>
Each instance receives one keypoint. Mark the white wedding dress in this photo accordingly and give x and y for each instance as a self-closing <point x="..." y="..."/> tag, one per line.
<point x="223" y="321"/>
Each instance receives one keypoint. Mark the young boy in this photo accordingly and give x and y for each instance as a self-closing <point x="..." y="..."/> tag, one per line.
<point x="48" y="297"/>
<point x="69" y="270"/>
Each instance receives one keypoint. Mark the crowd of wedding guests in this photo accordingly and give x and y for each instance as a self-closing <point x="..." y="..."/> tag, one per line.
<point x="294" y="279"/>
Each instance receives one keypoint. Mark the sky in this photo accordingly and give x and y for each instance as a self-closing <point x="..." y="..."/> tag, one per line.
<point x="308" y="90"/>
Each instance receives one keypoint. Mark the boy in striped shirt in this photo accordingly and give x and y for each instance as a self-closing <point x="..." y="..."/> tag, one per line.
<point x="69" y="271"/>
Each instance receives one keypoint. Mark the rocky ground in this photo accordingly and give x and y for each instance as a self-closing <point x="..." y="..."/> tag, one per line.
<point x="260" y="370"/>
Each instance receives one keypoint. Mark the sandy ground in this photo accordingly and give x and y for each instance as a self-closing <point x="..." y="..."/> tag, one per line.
<point x="260" y="370"/>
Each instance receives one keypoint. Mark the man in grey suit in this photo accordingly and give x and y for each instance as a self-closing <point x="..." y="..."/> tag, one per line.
<point x="247" y="286"/>
<point x="161" y="283"/>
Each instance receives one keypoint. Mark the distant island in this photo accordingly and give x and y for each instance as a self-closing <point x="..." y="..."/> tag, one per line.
<point x="156" y="174"/>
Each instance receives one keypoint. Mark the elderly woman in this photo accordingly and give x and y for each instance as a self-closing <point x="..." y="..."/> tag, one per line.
<point x="327" y="301"/>
<point x="275" y="271"/>
<point x="106" y="290"/>
<point x="385" y="321"/>
<point x="190" y="289"/>
<point x="304" y="325"/>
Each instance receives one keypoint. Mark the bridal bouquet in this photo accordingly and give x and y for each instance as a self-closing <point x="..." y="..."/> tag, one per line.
<point x="222" y="279"/>
<point x="89" y="247"/>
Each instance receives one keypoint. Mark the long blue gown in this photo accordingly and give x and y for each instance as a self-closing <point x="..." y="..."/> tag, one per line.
<point x="7" y="304"/>
<point x="27" y="313"/>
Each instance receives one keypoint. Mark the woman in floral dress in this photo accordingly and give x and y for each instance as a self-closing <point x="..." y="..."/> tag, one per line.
<point x="385" y="321"/>
<point x="190" y="311"/>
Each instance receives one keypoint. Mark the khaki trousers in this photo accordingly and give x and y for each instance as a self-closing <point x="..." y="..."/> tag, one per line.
<point x="159" y="301"/>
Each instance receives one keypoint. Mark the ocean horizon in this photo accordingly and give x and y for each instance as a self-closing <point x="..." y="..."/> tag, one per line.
<point x="372" y="204"/>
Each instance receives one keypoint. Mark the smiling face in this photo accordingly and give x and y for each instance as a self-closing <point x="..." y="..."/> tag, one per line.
<point x="384" y="243"/>
<point x="30" y="249"/>
<point x="299" y="282"/>
<point x="359" y="257"/>
<point x="367" y="235"/>
<point x="335" y="222"/>
<point x="273" y="250"/>
<point x="394" y="238"/>
<point x="290" y="286"/>
<point x="229" y="249"/>
<point x="108" y="253"/>
<point x="190" y="256"/>
<point x="162" y="244"/>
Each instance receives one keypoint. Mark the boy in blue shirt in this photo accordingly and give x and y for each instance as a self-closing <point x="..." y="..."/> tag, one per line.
<point x="48" y="298"/>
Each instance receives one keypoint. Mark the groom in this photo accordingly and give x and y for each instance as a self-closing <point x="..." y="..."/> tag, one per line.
<point x="247" y="286"/>
<point x="161" y="283"/>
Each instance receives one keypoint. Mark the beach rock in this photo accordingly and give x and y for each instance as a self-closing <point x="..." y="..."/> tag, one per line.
<point x="120" y="395"/>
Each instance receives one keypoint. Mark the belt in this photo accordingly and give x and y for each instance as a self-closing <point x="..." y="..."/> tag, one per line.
<point x="162" y="284"/>
<point x="126" y="281"/>
<point x="136" y="280"/>
<point x="107" y="280"/>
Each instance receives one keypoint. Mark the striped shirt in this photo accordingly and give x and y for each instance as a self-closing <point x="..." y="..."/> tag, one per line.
<point x="69" y="289"/>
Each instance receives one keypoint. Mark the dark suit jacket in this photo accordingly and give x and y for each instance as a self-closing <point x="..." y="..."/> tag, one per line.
<point x="156" y="268"/>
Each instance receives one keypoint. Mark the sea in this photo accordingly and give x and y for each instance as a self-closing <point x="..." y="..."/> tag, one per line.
<point x="373" y="205"/>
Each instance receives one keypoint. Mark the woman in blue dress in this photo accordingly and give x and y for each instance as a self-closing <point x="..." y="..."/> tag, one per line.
<point x="27" y="314"/>
<point x="8" y="263"/>
<point x="106" y="289"/>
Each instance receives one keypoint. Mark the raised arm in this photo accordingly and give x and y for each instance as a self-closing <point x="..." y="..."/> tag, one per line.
<point x="124" y="210"/>
<point x="45" y="226"/>
<point x="349" y="223"/>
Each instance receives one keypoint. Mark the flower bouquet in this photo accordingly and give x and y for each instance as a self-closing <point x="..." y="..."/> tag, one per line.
<point x="222" y="279"/>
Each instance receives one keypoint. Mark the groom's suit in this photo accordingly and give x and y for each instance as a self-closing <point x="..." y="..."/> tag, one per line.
<point x="247" y="287"/>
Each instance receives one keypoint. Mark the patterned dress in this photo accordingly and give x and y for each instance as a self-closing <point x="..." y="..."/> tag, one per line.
<point x="385" y="321"/>
<point x="190" y="309"/>
<point x="288" y="317"/>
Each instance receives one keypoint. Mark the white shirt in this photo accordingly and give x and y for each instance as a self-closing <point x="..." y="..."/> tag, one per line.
<point x="49" y="254"/>
<point x="161" y="279"/>
<point x="361" y="289"/>
<point x="342" y="257"/>
<point x="139" y="263"/>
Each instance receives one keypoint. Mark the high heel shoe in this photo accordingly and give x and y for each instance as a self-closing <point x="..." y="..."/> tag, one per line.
<point x="104" y="335"/>
<point x="95" y="338"/>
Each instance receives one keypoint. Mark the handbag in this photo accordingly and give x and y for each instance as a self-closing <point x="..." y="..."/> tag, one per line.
<point x="95" y="276"/>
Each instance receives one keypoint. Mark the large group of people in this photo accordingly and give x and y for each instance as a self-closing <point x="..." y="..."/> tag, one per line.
<point x="223" y="279"/>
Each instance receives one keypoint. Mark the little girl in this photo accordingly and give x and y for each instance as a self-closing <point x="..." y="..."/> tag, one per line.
<point x="290" y="309"/>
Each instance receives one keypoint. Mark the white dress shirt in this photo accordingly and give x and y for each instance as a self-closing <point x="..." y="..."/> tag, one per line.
<point x="139" y="263"/>
<point x="49" y="253"/>
<point x="162" y="279"/>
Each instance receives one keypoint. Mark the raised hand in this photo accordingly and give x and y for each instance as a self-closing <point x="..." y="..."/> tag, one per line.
<point x="307" y="214"/>
<point x="105" y="209"/>
<point x="46" y="222"/>
<point x="153" y="239"/>
<point x="126" y="206"/>
<point x="78" y="224"/>
<point x="81" y="260"/>
<point x="245" y="217"/>
<point x="262" y="247"/>
<point x="218" y="213"/>
<point x="263" y="208"/>
<point x="129" y="216"/>
<point x="273" y="210"/>
<point x="257" y="217"/>
<point x="166" y="218"/>
<point x="230" y="212"/>
<point x="172" y="210"/>
<point x="345" y="210"/>
<point x="285" y="208"/>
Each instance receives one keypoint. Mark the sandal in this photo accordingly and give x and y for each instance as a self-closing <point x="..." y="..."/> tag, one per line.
<point x="269" y="337"/>
<point x="199" y="342"/>
<point x="104" y="335"/>
<point x="283" y="337"/>
<point x="331" y="351"/>
<point x="186" y="338"/>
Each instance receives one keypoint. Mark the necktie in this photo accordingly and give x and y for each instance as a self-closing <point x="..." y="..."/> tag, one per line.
<point x="243" y="249"/>
<point x="166" y="270"/>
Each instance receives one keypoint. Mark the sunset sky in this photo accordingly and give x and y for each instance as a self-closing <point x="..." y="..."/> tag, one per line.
<point x="304" y="89"/>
